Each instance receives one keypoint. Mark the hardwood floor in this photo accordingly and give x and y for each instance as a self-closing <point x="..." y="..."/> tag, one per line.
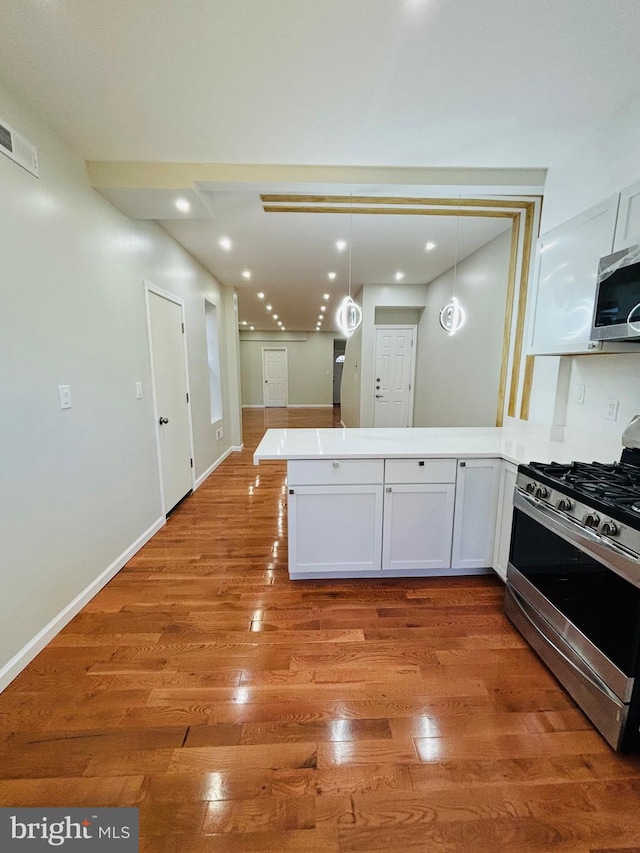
<point x="243" y="712"/>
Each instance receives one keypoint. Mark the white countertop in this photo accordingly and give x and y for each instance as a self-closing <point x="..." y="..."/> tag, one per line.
<point x="457" y="442"/>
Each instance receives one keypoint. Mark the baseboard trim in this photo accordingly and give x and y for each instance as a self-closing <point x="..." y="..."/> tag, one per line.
<point x="212" y="468"/>
<point x="238" y="448"/>
<point x="21" y="659"/>
<point x="292" y="406"/>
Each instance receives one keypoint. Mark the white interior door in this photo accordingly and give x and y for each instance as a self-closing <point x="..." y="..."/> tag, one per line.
<point x="168" y="361"/>
<point x="393" y="378"/>
<point x="274" y="376"/>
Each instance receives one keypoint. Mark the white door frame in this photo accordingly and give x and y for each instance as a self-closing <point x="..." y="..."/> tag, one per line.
<point x="148" y="289"/>
<point x="412" y="368"/>
<point x="286" y="377"/>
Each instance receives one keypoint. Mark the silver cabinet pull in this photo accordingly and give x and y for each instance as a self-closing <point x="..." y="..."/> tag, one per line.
<point x="336" y="464"/>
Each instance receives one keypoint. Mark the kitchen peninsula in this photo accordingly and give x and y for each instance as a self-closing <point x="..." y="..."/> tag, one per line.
<point x="379" y="503"/>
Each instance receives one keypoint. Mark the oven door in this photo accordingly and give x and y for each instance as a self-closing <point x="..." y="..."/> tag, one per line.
<point x="580" y="615"/>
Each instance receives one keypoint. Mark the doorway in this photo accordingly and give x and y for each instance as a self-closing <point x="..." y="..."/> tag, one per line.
<point x="394" y="376"/>
<point x="170" y="388"/>
<point x="275" y="383"/>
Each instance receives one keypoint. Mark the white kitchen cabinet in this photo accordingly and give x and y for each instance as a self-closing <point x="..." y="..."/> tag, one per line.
<point x="504" y="518"/>
<point x="394" y="517"/>
<point x="335" y="516"/>
<point x="418" y="526"/>
<point x="475" y="513"/>
<point x="335" y="529"/>
<point x="628" y="225"/>
<point x="567" y="266"/>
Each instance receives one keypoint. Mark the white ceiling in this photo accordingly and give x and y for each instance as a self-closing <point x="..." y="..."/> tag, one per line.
<point x="398" y="83"/>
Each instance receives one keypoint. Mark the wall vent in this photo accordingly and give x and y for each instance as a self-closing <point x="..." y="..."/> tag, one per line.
<point x="18" y="149"/>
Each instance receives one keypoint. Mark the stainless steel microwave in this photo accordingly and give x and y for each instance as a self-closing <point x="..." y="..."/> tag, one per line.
<point x="616" y="310"/>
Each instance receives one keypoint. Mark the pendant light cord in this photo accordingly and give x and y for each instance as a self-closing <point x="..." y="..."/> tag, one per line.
<point x="350" y="232"/>
<point x="455" y="261"/>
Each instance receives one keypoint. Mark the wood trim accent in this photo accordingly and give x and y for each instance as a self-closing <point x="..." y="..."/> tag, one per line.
<point x="508" y="319"/>
<point x="527" y="382"/>
<point x="505" y="208"/>
<point x="522" y="307"/>
<point x="393" y="211"/>
<point x="401" y="200"/>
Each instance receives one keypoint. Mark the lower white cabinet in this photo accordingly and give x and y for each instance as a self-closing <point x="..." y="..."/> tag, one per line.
<point x="335" y="529"/>
<point x="402" y="517"/>
<point x="504" y="519"/>
<point x="418" y="526"/>
<point x="475" y="513"/>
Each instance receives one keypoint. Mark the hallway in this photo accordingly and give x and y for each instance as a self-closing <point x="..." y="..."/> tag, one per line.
<point x="244" y="712"/>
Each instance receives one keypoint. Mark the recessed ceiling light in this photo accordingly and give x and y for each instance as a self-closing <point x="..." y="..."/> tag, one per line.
<point x="275" y="316"/>
<point x="253" y="328"/>
<point x="332" y="275"/>
<point x="326" y="296"/>
<point x="246" y="274"/>
<point x="183" y="205"/>
<point x="244" y="322"/>
<point x="341" y="245"/>
<point x="279" y="322"/>
<point x="283" y="329"/>
<point x="268" y="307"/>
<point x="430" y="246"/>
<point x="323" y="307"/>
<point x="261" y="295"/>
<point x="320" y="317"/>
<point x="399" y="276"/>
<point x="224" y="243"/>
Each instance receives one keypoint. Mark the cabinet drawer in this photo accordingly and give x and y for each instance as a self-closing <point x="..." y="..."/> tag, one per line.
<point x="420" y="471"/>
<point x="326" y="472"/>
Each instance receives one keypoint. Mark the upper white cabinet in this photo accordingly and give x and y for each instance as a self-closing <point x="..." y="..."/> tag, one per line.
<point x="475" y="513"/>
<point x="567" y="266"/>
<point x="628" y="226"/>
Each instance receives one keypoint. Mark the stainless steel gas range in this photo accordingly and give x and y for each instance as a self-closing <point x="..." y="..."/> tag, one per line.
<point x="573" y="582"/>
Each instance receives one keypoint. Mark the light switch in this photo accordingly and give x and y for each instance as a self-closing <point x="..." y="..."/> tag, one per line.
<point x="138" y="390"/>
<point x="65" y="396"/>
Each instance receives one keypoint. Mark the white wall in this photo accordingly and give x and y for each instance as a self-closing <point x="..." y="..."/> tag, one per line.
<point x="606" y="378"/>
<point x="594" y="169"/>
<point x="309" y="363"/>
<point x="80" y="486"/>
<point x="457" y="377"/>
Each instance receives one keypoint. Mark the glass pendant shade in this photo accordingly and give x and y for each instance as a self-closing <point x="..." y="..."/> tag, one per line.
<point x="349" y="316"/>
<point x="452" y="316"/>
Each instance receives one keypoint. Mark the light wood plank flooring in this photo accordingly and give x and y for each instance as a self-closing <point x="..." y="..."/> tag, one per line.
<point x="243" y="712"/>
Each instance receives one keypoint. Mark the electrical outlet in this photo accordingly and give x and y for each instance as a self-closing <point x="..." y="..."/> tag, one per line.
<point x="138" y="390"/>
<point x="580" y="391"/>
<point x="219" y="433"/>
<point x="611" y="411"/>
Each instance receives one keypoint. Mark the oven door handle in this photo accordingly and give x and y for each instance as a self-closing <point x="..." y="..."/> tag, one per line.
<point x="613" y="556"/>
<point x="584" y="670"/>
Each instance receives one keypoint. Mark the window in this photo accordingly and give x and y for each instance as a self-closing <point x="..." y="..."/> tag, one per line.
<point x="213" y="359"/>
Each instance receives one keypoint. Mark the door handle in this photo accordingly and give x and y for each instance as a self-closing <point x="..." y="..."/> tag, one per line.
<point x="164" y="421"/>
<point x="378" y="396"/>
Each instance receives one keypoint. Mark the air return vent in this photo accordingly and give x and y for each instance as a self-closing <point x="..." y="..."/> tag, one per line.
<point x="18" y="149"/>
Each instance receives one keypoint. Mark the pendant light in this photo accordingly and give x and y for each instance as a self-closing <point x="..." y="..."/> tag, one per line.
<point x="452" y="315"/>
<point x="349" y="314"/>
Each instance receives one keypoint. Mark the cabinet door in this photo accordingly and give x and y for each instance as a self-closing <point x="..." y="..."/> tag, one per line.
<point x="567" y="261"/>
<point x="418" y="524"/>
<point x="475" y="513"/>
<point x="628" y="225"/>
<point x="504" y="519"/>
<point x="335" y="529"/>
